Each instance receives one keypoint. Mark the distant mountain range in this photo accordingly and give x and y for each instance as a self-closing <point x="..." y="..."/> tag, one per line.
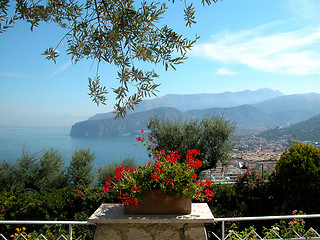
<point x="202" y="101"/>
<point x="308" y="130"/>
<point x="263" y="108"/>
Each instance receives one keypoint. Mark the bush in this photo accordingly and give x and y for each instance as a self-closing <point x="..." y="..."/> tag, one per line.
<point x="6" y="176"/>
<point x="209" y="135"/>
<point x="224" y="203"/>
<point x="296" y="179"/>
<point x="50" y="172"/>
<point x="44" y="171"/>
<point x="252" y="195"/>
<point x="80" y="169"/>
<point x="24" y="172"/>
<point x="69" y="203"/>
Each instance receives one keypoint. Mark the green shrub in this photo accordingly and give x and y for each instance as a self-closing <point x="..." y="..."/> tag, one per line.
<point x="6" y="176"/>
<point x="50" y="172"/>
<point x="80" y="171"/>
<point x="69" y="203"/>
<point x="252" y="195"/>
<point x="296" y="179"/>
<point x="24" y="173"/>
<point x="224" y="201"/>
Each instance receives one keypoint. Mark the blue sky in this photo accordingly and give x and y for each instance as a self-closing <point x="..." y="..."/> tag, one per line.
<point x="247" y="44"/>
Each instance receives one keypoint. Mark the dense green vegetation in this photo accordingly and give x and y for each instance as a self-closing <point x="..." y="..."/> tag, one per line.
<point x="26" y="194"/>
<point x="41" y="187"/>
<point x="296" y="178"/>
<point x="47" y="170"/>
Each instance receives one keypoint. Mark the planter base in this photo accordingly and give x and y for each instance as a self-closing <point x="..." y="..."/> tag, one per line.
<point x="113" y="224"/>
<point x="157" y="202"/>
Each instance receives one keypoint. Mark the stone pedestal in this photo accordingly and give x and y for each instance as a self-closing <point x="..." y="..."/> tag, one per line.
<point x="114" y="224"/>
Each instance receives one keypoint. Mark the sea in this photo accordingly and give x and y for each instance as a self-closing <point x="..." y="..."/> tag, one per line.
<point x="34" y="140"/>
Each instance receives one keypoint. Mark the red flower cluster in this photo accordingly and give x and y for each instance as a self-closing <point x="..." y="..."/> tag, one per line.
<point x="154" y="176"/>
<point x="140" y="139"/>
<point x="135" y="188"/>
<point x="209" y="194"/>
<point x="205" y="183"/>
<point x="195" y="177"/>
<point x="107" y="186"/>
<point x="123" y="197"/>
<point x="173" y="157"/>
<point x="120" y="170"/>
<point x="191" y="153"/>
<point x="170" y="181"/>
<point x="193" y="163"/>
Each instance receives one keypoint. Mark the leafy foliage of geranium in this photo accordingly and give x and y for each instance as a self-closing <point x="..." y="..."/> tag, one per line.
<point x="165" y="173"/>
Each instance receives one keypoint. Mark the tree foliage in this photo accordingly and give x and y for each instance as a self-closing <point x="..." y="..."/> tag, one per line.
<point x="121" y="33"/>
<point x="23" y="175"/>
<point x="209" y="135"/>
<point x="50" y="172"/>
<point x="45" y="171"/>
<point x="6" y="171"/>
<point x="81" y="166"/>
<point x="297" y="176"/>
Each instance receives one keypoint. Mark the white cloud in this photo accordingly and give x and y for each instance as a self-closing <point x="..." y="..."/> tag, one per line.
<point x="60" y="69"/>
<point x="224" y="71"/>
<point x="293" y="52"/>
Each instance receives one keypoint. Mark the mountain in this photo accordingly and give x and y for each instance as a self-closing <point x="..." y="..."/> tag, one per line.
<point x="279" y="111"/>
<point x="308" y="130"/>
<point x="131" y="124"/>
<point x="244" y="115"/>
<point x="188" y="102"/>
<point x="291" y="108"/>
<point x="204" y="101"/>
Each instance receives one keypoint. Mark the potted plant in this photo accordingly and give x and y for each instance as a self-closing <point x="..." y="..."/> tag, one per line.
<point x="165" y="185"/>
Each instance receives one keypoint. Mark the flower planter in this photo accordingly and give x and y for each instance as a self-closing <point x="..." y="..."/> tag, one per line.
<point x="157" y="202"/>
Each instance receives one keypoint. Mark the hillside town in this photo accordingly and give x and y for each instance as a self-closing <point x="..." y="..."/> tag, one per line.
<point x="252" y="150"/>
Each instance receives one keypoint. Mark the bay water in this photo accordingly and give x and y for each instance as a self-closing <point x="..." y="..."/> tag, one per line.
<point x="13" y="140"/>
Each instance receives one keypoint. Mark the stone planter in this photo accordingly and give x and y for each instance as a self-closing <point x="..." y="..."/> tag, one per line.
<point x="113" y="224"/>
<point x="157" y="202"/>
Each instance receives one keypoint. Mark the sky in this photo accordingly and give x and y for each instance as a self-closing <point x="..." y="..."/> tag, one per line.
<point x="243" y="45"/>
